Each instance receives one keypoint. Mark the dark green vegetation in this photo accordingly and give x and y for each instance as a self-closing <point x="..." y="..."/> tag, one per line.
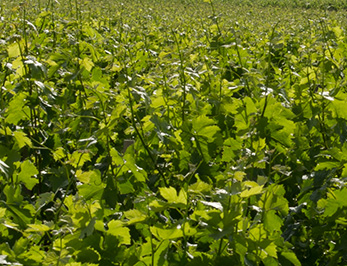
<point x="237" y="117"/>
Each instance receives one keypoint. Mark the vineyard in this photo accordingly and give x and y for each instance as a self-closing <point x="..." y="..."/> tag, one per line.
<point x="182" y="132"/>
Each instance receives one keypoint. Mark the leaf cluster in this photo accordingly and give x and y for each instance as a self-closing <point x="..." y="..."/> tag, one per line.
<point x="171" y="133"/>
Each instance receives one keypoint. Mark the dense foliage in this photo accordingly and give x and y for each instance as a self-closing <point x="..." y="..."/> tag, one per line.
<point x="173" y="133"/>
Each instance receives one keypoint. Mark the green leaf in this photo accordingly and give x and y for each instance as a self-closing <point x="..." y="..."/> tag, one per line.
<point x="137" y="171"/>
<point x="16" y="110"/>
<point x="239" y="176"/>
<point x="37" y="228"/>
<point x="27" y="174"/>
<point x="90" y="191"/>
<point x="272" y="222"/>
<point x="116" y="158"/>
<point x="340" y="107"/>
<point x="282" y="136"/>
<point x="160" y="254"/>
<point x="228" y="154"/>
<point x="117" y="229"/>
<point x="77" y="159"/>
<point x="22" y="139"/>
<point x="327" y="165"/>
<point x="87" y="63"/>
<point x="200" y="187"/>
<point x="59" y="154"/>
<point x="88" y="255"/>
<point x="205" y="127"/>
<point x="37" y="70"/>
<point x="289" y="255"/>
<point x="250" y="106"/>
<point x="134" y="216"/>
<point x="125" y="187"/>
<point x="13" y="50"/>
<point x="209" y="132"/>
<point x="158" y="206"/>
<point x="182" y="197"/>
<point x="43" y="199"/>
<point x="21" y="216"/>
<point x="338" y="31"/>
<point x="273" y="199"/>
<point x="94" y="188"/>
<point x="13" y="194"/>
<point x="2" y="212"/>
<point x="330" y="206"/>
<point x="89" y="229"/>
<point x="271" y="249"/>
<point x="34" y="254"/>
<point x="341" y="196"/>
<point x="343" y="174"/>
<point x="158" y="102"/>
<point x="166" y="234"/>
<point x="89" y="176"/>
<point x="170" y="194"/>
<point x="189" y="230"/>
<point x="270" y="261"/>
<point x="252" y="191"/>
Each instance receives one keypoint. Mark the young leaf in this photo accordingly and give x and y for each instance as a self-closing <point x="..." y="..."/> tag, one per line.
<point x="137" y="171"/>
<point x="37" y="228"/>
<point x="21" y="216"/>
<point x="166" y="234"/>
<point x="22" y="139"/>
<point x="27" y="174"/>
<point x="205" y="127"/>
<point x="252" y="191"/>
<point x="77" y="159"/>
<point x="117" y="229"/>
<point x="134" y="216"/>
<point x="94" y="188"/>
<point x="170" y="194"/>
<point x="272" y="222"/>
<point x="17" y="110"/>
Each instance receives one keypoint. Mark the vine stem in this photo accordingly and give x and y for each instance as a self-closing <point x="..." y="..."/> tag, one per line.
<point x="268" y="68"/>
<point x="142" y="139"/>
<point x="183" y="77"/>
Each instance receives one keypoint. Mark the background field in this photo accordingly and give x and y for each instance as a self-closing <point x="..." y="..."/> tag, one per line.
<point x="173" y="132"/>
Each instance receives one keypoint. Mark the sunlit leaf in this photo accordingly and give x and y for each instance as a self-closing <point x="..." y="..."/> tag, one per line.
<point x="16" y="110"/>
<point x="291" y="257"/>
<point x="252" y="191"/>
<point x="134" y="216"/>
<point x="272" y="222"/>
<point x="117" y="229"/>
<point x="22" y="139"/>
<point x="78" y="158"/>
<point x="137" y="171"/>
<point x="170" y="194"/>
<point x="28" y="173"/>
<point x="166" y="234"/>
<point x="37" y="228"/>
<point x="94" y="188"/>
